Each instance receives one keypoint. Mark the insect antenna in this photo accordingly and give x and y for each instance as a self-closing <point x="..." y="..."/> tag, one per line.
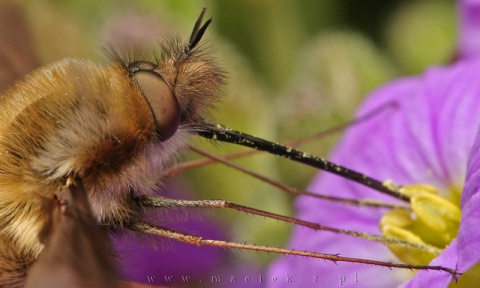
<point x="198" y="31"/>
<point x="196" y="36"/>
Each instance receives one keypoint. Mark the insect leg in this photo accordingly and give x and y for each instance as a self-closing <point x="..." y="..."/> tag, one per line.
<point x="163" y="202"/>
<point x="147" y="228"/>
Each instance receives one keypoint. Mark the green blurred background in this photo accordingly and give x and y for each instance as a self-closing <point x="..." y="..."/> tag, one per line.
<point x="294" y="69"/>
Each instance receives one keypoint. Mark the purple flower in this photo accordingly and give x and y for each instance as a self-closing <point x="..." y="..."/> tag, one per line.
<point x="427" y="139"/>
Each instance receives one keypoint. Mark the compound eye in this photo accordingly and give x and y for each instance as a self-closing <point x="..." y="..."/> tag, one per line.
<point x="162" y="101"/>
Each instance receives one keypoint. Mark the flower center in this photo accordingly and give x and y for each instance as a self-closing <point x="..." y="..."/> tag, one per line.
<point x="433" y="221"/>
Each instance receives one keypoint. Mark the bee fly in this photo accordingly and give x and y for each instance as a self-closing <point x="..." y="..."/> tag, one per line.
<point x="115" y="129"/>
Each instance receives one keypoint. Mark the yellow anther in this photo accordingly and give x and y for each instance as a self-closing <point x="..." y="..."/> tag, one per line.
<point x="407" y="254"/>
<point x="402" y="234"/>
<point x="435" y="211"/>
<point x="414" y="190"/>
<point x="396" y="218"/>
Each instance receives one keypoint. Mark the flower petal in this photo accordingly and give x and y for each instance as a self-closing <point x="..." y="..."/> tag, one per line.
<point x="424" y="278"/>
<point x="469" y="237"/>
<point x="469" y="42"/>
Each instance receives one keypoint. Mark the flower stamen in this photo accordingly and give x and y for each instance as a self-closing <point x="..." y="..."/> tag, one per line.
<point x="434" y="221"/>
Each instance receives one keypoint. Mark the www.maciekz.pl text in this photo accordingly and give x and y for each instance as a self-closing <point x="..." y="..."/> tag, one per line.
<point x="287" y="278"/>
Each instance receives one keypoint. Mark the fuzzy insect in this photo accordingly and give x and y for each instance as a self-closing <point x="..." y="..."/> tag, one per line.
<point x="116" y="128"/>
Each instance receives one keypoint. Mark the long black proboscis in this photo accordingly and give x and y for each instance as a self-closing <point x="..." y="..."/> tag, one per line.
<point x="219" y="132"/>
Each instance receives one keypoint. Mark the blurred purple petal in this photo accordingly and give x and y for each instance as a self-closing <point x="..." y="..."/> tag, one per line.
<point x="469" y="42"/>
<point x="427" y="139"/>
<point x="469" y="237"/>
